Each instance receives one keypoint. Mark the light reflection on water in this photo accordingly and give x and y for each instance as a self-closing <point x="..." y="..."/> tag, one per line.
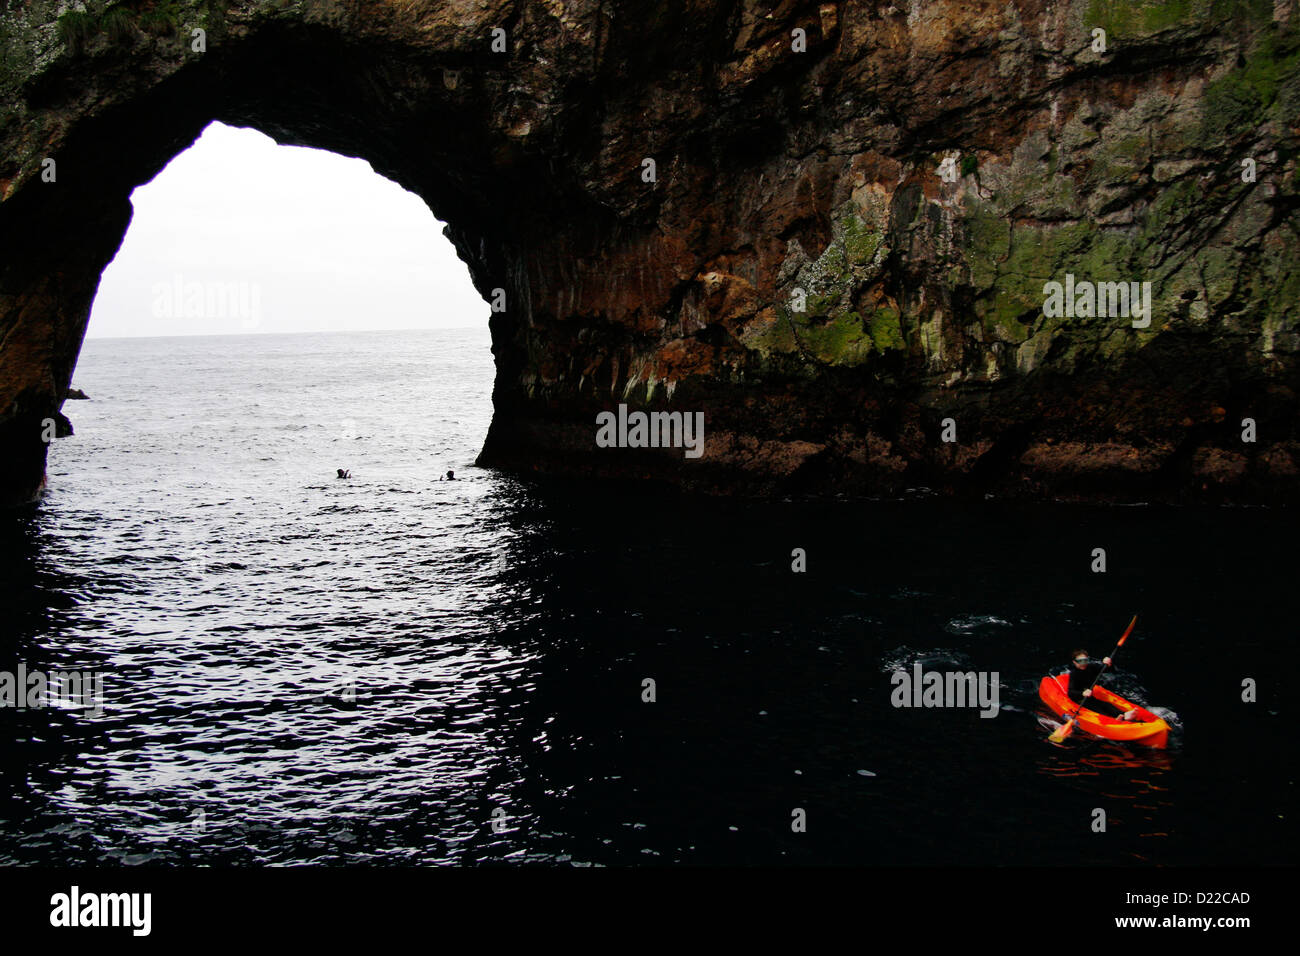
<point x="301" y="669"/>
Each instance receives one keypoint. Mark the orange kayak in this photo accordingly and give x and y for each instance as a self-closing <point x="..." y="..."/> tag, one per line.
<point x="1147" y="728"/>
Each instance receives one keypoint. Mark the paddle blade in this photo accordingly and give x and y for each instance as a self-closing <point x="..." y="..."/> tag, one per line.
<point x="1063" y="731"/>
<point x="1127" y="632"/>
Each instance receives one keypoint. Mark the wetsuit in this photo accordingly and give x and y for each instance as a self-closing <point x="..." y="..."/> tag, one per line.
<point x="1081" y="680"/>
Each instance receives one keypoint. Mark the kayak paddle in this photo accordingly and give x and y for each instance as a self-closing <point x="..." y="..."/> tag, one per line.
<point x="1067" y="728"/>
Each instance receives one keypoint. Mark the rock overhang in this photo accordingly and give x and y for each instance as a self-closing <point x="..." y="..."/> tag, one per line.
<point x="778" y="173"/>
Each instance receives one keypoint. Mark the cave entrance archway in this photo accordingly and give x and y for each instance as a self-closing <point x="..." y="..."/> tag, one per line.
<point x="419" y="97"/>
<point x="196" y="343"/>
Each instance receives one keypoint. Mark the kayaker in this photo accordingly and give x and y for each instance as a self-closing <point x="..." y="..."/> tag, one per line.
<point x="1082" y="674"/>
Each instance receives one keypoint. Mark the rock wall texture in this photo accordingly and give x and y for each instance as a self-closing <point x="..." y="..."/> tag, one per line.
<point x="853" y="213"/>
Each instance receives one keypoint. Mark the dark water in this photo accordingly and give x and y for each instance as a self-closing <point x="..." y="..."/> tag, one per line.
<point x="300" y="669"/>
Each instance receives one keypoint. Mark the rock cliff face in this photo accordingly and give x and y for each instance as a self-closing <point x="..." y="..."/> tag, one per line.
<point x="843" y="240"/>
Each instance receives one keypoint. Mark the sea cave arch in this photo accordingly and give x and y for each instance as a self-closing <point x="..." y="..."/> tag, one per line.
<point x="824" y="225"/>
<point x="426" y="115"/>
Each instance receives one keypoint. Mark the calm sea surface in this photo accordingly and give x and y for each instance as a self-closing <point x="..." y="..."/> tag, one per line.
<point x="397" y="670"/>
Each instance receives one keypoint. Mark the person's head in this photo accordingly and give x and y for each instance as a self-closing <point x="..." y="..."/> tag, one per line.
<point x="451" y="476"/>
<point x="1079" y="657"/>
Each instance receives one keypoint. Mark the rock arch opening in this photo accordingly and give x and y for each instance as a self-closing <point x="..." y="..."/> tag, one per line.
<point x="115" y="109"/>
<point x="285" y="304"/>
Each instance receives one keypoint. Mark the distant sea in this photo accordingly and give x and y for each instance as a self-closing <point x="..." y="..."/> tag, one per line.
<point x="394" y="669"/>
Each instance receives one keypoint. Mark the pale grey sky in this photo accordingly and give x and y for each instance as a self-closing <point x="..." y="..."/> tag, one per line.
<point x="241" y="235"/>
